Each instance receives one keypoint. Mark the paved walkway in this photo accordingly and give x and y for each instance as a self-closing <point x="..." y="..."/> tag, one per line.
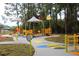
<point x="46" y="51"/>
<point x="19" y="40"/>
<point x="23" y="40"/>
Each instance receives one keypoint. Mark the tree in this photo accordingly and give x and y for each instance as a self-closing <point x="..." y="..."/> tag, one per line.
<point x="40" y="11"/>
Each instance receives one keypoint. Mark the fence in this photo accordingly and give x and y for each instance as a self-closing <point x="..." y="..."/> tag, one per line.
<point x="72" y="43"/>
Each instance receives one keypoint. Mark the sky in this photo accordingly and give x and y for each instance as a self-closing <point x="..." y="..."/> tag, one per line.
<point x="9" y="23"/>
<point x="6" y="22"/>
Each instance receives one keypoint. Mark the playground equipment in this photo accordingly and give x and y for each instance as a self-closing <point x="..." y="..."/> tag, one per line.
<point x="43" y="31"/>
<point x="34" y="20"/>
<point x="72" y="44"/>
<point x="28" y="32"/>
<point x="46" y="31"/>
<point x="49" y="19"/>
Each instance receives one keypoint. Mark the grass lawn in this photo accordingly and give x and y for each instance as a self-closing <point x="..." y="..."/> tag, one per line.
<point x="56" y="46"/>
<point x="16" y="50"/>
<point x="6" y="39"/>
<point x="59" y="39"/>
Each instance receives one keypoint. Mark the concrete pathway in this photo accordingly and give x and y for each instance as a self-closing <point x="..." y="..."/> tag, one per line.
<point x="19" y="40"/>
<point x="47" y="51"/>
<point x="13" y="42"/>
<point x="23" y="39"/>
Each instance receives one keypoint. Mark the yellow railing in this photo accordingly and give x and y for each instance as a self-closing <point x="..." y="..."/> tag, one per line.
<point x="45" y="31"/>
<point x="68" y="40"/>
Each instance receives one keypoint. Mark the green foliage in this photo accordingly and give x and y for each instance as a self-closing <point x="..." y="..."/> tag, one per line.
<point x="59" y="39"/>
<point x="26" y="10"/>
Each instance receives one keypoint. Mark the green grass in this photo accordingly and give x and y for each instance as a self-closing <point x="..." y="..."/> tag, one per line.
<point x="16" y="50"/>
<point x="56" y="46"/>
<point x="59" y="47"/>
<point x="52" y="45"/>
<point x="59" y="39"/>
<point x="6" y="39"/>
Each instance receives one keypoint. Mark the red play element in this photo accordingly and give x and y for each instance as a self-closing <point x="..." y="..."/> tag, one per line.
<point x="17" y="29"/>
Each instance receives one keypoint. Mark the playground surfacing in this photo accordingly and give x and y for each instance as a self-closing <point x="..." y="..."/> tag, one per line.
<point x="42" y="46"/>
<point x="42" y="49"/>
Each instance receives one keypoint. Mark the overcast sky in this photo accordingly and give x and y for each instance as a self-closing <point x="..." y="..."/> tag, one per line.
<point x="9" y="23"/>
<point x="3" y="21"/>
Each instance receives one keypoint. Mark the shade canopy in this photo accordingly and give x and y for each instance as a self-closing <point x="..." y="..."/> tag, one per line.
<point x="34" y="19"/>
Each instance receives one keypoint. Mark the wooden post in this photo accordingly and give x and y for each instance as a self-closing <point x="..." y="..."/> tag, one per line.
<point x="49" y="27"/>
<point x="30" y="43"/>
<point x="75" y="41"/>
<point x="33" y="27"/>
<point x="43" y="28"/>
<point x="66" y="43"/>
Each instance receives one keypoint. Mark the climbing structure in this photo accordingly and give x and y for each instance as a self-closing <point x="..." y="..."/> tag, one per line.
<point x="72" y="44"/>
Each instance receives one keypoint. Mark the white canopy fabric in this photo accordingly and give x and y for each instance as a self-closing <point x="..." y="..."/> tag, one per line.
<point x="34" y="19"/>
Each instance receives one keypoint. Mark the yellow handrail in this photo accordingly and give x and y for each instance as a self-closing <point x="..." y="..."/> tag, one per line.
<point x="67" y="41"/>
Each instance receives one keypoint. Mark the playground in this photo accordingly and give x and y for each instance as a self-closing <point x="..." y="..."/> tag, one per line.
<point x="30" y="29"/>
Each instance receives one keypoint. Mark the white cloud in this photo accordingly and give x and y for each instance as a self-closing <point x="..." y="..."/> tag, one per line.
<point x="7" y="22"/>
<point x="2" y="8"/>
